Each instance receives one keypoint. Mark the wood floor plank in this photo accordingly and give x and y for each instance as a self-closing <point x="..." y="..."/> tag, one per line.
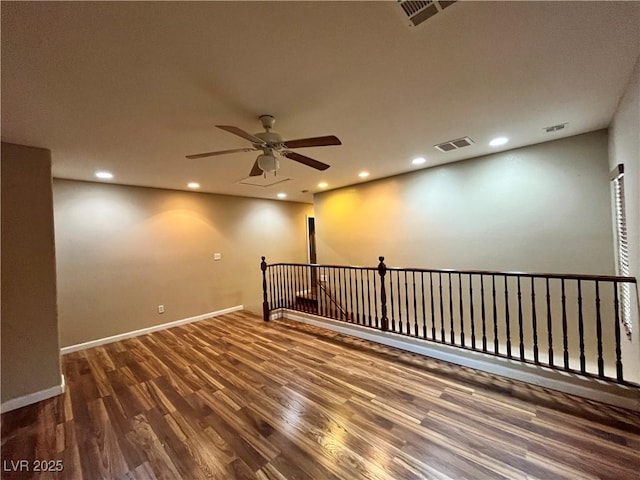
<point x="234" y="397"/>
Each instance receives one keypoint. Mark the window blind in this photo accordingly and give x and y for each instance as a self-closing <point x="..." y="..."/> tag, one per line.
<point x="622" y="245"/>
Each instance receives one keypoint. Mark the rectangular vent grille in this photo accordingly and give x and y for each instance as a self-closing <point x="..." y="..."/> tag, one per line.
<point x="420" y="10"/>
<point x="411" y="7"/>
<point x="555" y="128"/>
<point x="454" y="144"/>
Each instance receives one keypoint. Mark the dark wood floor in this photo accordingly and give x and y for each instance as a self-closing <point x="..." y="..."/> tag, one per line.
<point x="233" y="397"/>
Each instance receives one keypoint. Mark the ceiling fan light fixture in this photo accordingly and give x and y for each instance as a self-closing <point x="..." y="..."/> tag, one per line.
<point x="268" y="163"/>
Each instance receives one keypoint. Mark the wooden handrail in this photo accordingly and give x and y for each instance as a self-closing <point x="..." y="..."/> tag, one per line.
<point x="566" y="276"/>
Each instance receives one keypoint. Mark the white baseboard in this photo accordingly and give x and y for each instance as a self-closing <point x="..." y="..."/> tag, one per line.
<point x="144" y="331"/>
<point x="593" y="389"/>
<point x="34" y="397"/>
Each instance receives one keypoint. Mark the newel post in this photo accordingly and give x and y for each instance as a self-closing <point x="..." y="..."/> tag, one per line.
<point x="265" y="302"/>
<point x="382" y="270"/>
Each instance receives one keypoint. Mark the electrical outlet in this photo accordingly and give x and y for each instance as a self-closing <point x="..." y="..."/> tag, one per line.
<point x="217" y="256"/>
<point x="160" y="308"/>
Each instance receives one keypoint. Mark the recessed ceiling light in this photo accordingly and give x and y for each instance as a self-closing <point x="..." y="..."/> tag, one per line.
<point x="282" y="195"/>
<point x="496" y="142"/>
<point x="418" y="160"/>
<point x="323" y="185"/>
<point x="104" y="175"/>
<point x="193" y="185"/>
<point x="363" y="174"/>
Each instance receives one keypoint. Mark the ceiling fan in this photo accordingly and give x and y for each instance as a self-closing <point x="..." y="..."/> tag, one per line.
<point x="271" y="143"/>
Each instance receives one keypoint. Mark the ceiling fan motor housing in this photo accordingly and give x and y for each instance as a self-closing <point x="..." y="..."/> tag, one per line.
<point x="272" y="139"/>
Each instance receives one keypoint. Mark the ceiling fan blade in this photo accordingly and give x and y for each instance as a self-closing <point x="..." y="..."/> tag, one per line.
<point x="241" y="133"/>
<point x="310" y="162"/>
<point x="221" y="152"/>
<point x="313" y="142"/>
<point x="255" y="170"/>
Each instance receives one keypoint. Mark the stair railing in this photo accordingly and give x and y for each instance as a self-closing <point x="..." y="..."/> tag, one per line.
<point x="568" y="322"/>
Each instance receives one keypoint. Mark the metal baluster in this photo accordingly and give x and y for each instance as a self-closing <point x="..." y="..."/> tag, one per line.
<point x="424" y="314"/>
<point x="279" y="286"/>
<point x="616" y="306"/>
<point x="369" y="296"/>
<point x="335" y="291"/>
<point x="350" y="310"/>
<point x="305" y="289"/>
<point x="565" y="339"/>
<point x="337" y="314"/>
<point x="534" y="321"/>
<point x="364" y="318"/>
<point x="433" y="314"/>
<point x="549" y="324"/>
<point x="599" y="331"/>
<point x="520" y="332"/>
<point x="452" y="333"/>
<point x="399" y="304"/>
<point x="356" y="312"/>
<point x="415" y="308"/>
<point x="393" y="317"/>
<point x="276" y="285"/>
<point x="320" y="292"/>
<point x="342" y="290"/>
<point x="375" y="301"/>
<point x="581" y="328"/>
<point x="441" y="307"/>
<point x="345" y="304"/>
<point x="461" y="309"/>
<point x="496" y="345"/>
<point x="288" y="285"/>
<point x="484" y="321"/>
<point x="315" y="306"/>
<point x="406" y="302"/>
<point x="473" y="327"/>
<point x="272" y="299"/>
<point x="506" y="311"/>
<point x="296" y="291"/>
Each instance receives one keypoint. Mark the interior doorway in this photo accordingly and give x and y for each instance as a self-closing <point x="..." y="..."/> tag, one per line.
<point x="311" y="239"/>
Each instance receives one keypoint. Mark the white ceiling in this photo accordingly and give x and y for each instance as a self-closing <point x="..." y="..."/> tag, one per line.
<point x="134" y="87"/>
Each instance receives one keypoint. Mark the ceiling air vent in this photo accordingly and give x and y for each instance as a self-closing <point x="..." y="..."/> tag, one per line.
<point x="555" y="128"/>
<point x="454" y="144"/>
<point x="420" y="10"/>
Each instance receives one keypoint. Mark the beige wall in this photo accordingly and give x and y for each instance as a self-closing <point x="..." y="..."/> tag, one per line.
<point x="122" y="251"/>
<point x="30" y="352"/>
<point x="624" y="147"/>
<point x="543" y="208"/>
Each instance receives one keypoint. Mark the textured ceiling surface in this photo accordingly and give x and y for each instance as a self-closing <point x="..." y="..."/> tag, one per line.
<point x="134" y="87"/>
